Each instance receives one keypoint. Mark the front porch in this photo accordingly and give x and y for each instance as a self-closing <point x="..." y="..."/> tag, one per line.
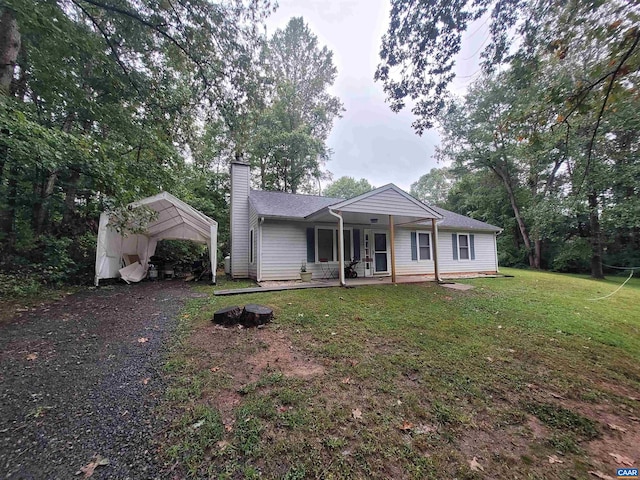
<point x="277" y="286"/>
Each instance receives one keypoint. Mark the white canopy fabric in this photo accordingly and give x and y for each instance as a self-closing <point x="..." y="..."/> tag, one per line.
<point x="176" y="221"/>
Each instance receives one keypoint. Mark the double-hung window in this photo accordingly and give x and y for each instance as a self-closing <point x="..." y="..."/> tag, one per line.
<point x="463" y="247"/>
<point x="424" y="246"/>
<point x="327" y="244"/>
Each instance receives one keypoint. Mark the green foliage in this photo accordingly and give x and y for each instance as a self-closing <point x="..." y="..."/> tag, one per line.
<point x="433" y="187"/>
<point x="347" y="187"/>
<point x="573" y="256"/>
<point x="105" y="104"/>
<point x="24" y="285"/>
<point x="293" y="123"/>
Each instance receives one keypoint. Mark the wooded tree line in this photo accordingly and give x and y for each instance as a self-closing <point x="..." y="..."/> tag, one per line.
<point x="103" y="102"/>
<point x="546" y="141"/>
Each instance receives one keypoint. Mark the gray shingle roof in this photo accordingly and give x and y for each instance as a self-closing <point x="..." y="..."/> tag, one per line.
<point x="455" y="220"/>
<point x="292" y="205"/>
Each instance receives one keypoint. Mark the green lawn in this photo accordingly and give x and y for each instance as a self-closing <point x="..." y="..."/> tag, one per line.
<point x="412" y="381"/>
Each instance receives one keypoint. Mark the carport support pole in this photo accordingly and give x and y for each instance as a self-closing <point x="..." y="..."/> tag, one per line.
<point x="393" y="249"/>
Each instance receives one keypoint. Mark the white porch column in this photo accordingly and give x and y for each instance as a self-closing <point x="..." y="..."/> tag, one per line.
<point x="340" y="246"/>
<point x="434" y="231"/>
<point x="392" y="231"/>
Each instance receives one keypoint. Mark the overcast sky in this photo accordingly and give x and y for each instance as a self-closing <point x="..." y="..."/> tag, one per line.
<point x="369" y="141"/>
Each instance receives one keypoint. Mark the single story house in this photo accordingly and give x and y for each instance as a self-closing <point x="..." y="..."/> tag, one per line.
<point x="387" y="230"/>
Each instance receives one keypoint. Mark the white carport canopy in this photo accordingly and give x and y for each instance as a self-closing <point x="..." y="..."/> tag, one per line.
<point x="175" y="221"/>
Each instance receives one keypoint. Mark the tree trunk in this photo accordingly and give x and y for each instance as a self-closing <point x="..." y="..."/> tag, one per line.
<point x="537" y="247"/>
<point x="516" y="212"/>
<point x="595" y="237"/>
<point x="40" y="208"/>
<point x="7" y="216"/>
<point x="70" y="192"/>
<point x="9" y="48"/>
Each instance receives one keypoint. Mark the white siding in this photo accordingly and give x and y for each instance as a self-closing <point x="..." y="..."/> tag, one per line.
<point x="284" y="248"/>
<point x="387" y="202"/>
<point x="253" y="224"/>
<point x="404" y="264"/>
<point x="484" y="249"/>
<point x="239" y="220"/>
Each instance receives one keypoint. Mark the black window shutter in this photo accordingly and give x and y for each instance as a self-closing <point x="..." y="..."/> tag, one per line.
<point x="454" y="243"/>
<point x="414" y="246"/>
<point x="356" y="243"/>
<point x="311" y="244"/>
<point x="472" y="247"/>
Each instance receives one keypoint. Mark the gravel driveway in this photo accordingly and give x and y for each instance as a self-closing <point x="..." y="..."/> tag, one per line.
<point x="81" y="376"/>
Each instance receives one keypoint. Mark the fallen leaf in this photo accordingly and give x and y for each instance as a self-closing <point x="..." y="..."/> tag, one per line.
<point x="555" y="395"/>
<point x="96" y="461"/>
<point x="228" y="428"/>
<point x="406" y="426"/>
<point x="554" y="459"/>
<point x="353" y="362"/>
<point x="475" y="466"/>
<point x="32" y="356"/>
<point x="197" y="424"/>
<point x="215" y="369"/>
<point x="511" y="350"/>
<point x="622" y="460"/>
<point x="422" y="429"/>
<point x="356" y="413"/>
<point x="399" y="402"/>
<point x="613" y="426"/>
<point x="282" y="409"/>
<point x="489" y="359"/>
<point x="143" y="340"/>
<point x="346" y="380"/>
<point x="222" y="445"/>
<point x="144" y="381"/>
<point x="601" y="475"/>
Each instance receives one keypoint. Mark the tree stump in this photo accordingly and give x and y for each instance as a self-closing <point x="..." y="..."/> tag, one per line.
<point x="254" y="315"/>
<point x="228" y="315"/>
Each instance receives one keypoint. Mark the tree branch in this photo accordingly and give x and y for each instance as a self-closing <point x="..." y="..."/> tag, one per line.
<point x="111" y="46"/>
<point x="603" y="107"/>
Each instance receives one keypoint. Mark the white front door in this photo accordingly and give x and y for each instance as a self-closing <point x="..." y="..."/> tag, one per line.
<point x="380" y="252"/>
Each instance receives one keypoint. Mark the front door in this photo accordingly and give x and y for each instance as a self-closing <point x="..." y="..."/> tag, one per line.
<point x="380" y="253"/>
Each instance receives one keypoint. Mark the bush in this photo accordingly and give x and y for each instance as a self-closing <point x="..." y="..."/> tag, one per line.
<point x="573" y="256"/>
<point x="13" y="285"/>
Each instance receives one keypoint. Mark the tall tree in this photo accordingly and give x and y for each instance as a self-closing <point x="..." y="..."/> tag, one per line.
<point x="433" y="187"/>
<point x="347" y="187"/>
<point x="290" y="146"/>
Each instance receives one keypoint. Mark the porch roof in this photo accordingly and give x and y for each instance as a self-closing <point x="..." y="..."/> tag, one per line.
<point x="383" y="201"/>
<point x="291" y="206"/>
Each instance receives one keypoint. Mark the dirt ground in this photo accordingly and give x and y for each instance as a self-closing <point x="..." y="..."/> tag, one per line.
<point x="80" y="377"/>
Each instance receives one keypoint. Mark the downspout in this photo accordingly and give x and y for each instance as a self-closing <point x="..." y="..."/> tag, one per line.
<point x="495" y="249"/>
<point x="340" y="247"/>
<point x="259" y="272"/>
<point x="436" y="267"/>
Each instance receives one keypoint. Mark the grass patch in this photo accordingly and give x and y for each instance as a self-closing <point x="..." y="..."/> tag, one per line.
<point x="415" y="380"/>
